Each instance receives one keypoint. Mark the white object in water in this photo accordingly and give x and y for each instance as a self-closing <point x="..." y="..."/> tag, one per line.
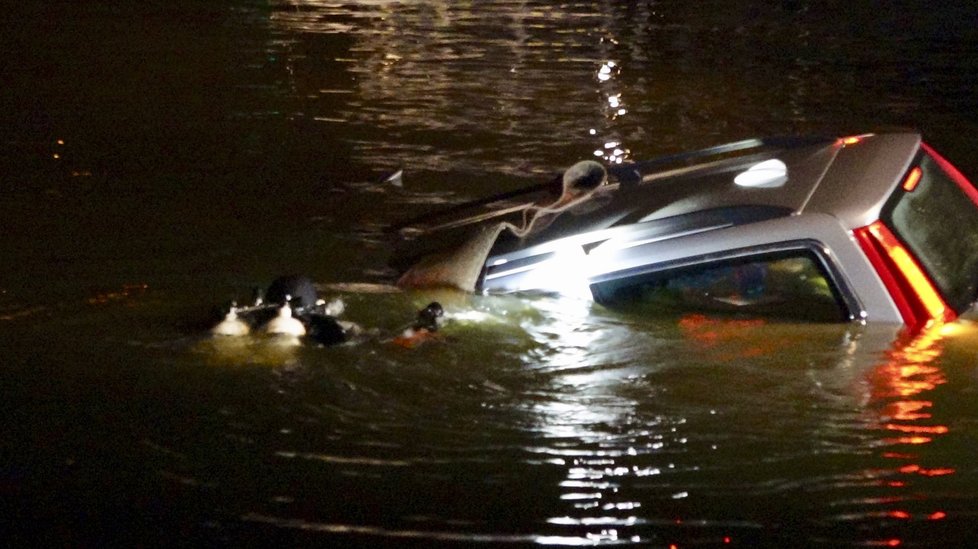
<point x="396" y="178"/>
<point x="231" y="325"/>
<point x="285" y="324"/>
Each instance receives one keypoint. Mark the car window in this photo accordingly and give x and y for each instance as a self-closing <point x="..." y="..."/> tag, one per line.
<point x="939" y="223"/>
<point x="788" y="285"/>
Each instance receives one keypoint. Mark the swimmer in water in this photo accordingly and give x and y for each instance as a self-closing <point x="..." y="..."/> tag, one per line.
<point x="290" y="306"/>
<point x="424" y="328"/>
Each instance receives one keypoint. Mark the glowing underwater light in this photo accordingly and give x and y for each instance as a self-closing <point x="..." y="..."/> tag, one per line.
<point x="564" y="273"/>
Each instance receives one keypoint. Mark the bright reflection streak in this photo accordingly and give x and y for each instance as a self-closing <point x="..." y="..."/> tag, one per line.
<point x="899" y="386"/>
<point x="909" y="372"/>
<point x="579" y="413"/>
<point x="565" y="273"/>
<point x="606" y="72"/>
<point x="612" y="151"/>
<point x="253" y="350"/>
<point x="908" y="410"/>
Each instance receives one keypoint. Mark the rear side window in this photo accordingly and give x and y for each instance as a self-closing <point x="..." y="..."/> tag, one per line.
<point x="939" y="223"/>
<point x="789" y="285"/>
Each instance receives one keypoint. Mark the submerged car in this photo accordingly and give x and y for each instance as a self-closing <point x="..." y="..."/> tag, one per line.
<point x="875" y="227"/>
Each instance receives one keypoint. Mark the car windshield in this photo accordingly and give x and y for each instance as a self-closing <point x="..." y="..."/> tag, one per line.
<point x="939" y="223"/>
<point x="789" y="285"/>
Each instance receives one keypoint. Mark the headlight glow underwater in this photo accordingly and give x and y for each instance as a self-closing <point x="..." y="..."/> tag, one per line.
<point x="565" y="272"/>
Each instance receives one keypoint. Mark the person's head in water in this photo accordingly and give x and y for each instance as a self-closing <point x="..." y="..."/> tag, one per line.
<point x="428" y="317"/>
<point x="297" y="288"/>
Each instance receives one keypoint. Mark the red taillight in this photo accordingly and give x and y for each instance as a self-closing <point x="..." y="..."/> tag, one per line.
<point x="913" y="178"/>
<point x="915" y="296"/>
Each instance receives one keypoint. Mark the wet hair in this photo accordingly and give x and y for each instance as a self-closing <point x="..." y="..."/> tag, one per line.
<point x="299" y="288"/>
<point x="428" y="317"/>
<point x="324" y="329"/>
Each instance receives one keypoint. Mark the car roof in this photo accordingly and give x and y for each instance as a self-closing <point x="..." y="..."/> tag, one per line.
<point x="847" y="178"/>
<point x="862" y="177"/>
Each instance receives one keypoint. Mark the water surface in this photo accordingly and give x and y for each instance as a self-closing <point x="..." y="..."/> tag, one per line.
<point x="159" y="160"/>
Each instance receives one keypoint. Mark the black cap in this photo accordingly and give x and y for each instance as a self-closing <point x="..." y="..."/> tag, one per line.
<point x="428" y="317"/>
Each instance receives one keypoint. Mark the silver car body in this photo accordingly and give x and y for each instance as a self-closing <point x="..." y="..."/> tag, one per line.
<point x="733" y="202"/>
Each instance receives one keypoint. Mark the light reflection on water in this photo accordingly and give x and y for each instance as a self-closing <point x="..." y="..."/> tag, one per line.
<point x="633" y="462"/>
<point x="585" y="426"/>
<point x="411" y="75"/>
<point x="533" y="420"/>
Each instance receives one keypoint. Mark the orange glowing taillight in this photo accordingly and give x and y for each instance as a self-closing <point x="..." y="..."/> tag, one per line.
<point x="913" y="179"/>
<point x="915" y="296"/>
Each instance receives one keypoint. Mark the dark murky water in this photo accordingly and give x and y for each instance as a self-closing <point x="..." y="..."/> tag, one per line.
<point x="158" y="160"/>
